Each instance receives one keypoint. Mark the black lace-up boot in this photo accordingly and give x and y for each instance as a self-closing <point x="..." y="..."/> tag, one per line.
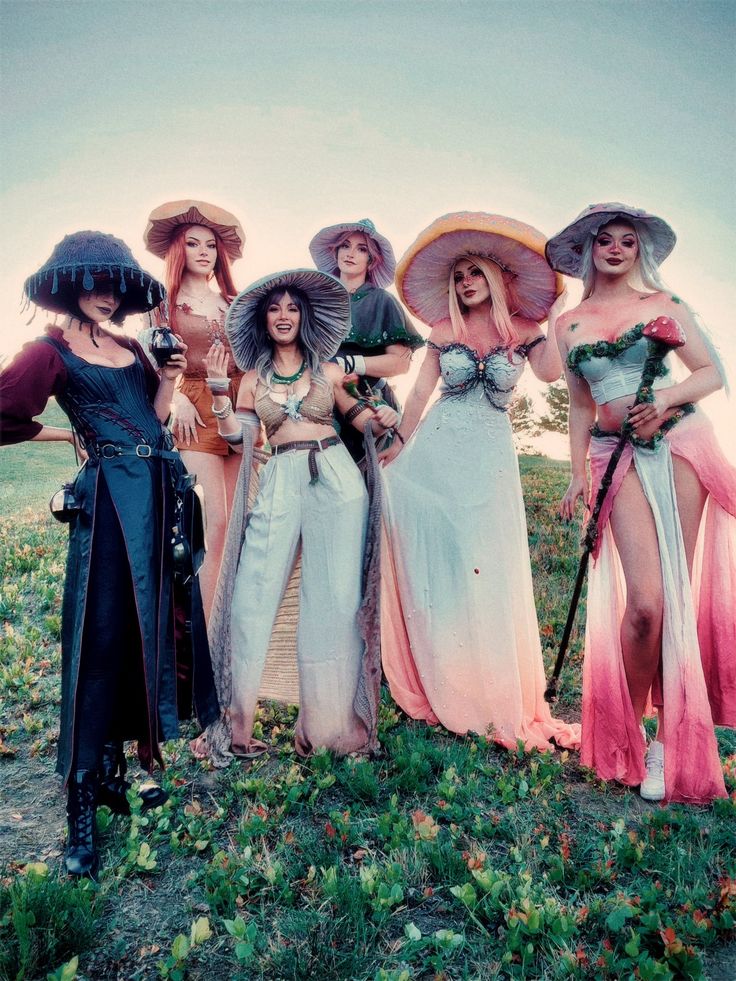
<point x="81" y="857"/>
<point x="114" y="787"/>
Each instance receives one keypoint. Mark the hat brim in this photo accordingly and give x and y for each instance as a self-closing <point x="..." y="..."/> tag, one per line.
<point x="330" y="303"/>
<point x="166" y="219"/>
<point x="323" y="245"/>
<point x="423" y="273"/>
<point x="139" y="290"/>
<point x="565" y="250"/>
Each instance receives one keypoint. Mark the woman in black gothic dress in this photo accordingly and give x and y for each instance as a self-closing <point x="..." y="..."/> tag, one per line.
<point x="118" y="658"/>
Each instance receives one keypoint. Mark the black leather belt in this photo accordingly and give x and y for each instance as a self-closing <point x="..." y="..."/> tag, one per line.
<point x="109" y="451"/>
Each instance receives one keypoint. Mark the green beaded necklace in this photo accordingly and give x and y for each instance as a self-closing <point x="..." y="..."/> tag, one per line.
<point x="278" y="379"/>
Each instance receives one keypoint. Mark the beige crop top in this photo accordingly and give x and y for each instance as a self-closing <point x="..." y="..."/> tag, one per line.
<point x="315" y="406"/>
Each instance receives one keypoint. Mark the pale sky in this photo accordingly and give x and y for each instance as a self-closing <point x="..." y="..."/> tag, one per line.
<point x="295" y="115"/>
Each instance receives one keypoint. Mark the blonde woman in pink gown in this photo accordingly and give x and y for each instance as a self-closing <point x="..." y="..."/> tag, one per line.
<point x="660" y="625"/>
<point x="459" y="634"/>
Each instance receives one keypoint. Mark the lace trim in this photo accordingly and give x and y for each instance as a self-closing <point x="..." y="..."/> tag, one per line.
<point x="490" y="388"/>
<point x="521" y="349"/>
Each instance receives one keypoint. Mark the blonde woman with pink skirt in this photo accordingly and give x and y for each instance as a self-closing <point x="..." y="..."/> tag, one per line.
<point x="661" y="629"/>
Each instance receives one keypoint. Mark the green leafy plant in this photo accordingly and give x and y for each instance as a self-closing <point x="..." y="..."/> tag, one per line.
<point x="174" y="967"/>
<point x="44" y="921"/>
<point x="445" y="856"/>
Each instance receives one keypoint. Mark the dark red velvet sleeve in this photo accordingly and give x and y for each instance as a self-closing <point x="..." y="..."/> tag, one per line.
<point x="25" y="387"/>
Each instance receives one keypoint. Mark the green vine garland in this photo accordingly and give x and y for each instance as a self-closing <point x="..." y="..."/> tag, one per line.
<point x="609" y="349"/>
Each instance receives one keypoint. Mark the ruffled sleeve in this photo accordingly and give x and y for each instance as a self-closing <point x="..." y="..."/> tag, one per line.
<point x="26" y="385"/>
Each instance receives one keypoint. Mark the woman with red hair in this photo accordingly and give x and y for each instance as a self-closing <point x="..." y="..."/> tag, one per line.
<point x="197" y="241"/>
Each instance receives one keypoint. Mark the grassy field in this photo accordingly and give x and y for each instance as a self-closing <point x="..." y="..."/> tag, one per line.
<point x="445" y="859"/>
<point x="32" y="472"/>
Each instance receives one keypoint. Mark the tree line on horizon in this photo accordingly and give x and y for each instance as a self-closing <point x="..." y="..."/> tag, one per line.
<point x="527" y="425"/>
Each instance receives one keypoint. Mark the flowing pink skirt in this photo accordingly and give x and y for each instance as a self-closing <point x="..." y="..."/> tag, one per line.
<point x="698" y="666"/>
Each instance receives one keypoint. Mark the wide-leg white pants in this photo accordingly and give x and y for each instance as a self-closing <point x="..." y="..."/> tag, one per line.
<point x="329" y="517"/>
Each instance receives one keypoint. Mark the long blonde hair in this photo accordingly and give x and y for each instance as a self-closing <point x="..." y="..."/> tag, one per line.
<point x="499" y="300"/>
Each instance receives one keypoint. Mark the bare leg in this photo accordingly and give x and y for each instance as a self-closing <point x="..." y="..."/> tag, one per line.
<point x="691" y="498"/>
<point x="210" y="471"/>
<point x="231" y="468"/>
<point x="635" y="535"/>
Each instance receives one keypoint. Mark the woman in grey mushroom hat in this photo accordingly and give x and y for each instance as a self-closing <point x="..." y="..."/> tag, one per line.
<point x="282" y="330"/>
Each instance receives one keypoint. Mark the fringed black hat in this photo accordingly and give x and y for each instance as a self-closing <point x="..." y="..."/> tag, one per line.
<point x="80" y="259"/>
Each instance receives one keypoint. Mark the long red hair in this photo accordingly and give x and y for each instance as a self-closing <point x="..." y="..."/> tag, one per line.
<point x="176" y="264"/>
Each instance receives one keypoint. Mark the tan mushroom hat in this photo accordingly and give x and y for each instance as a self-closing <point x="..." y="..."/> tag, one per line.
<point x="164" y="221"/>
<point x="423" y="272"/>
<point x="565" y="250"/>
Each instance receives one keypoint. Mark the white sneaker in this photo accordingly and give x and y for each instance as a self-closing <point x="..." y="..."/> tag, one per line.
<point x="652" y="786"/>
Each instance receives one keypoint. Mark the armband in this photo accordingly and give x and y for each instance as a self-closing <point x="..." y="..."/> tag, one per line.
<point x="355" y="410"/>
<point x="247" y="417"/>
<point x="218" y="386"/>
<point x="234" y="439"/>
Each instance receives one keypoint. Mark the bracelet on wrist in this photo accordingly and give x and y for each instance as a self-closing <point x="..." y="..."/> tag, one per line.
<point x="224" y="412"/>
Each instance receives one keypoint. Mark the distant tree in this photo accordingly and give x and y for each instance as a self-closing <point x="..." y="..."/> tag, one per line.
<point x="558" y="401"/>
<point x="523" y="422"/>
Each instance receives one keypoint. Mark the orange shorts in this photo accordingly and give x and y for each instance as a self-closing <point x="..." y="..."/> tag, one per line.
<point x="200" y="396"/>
